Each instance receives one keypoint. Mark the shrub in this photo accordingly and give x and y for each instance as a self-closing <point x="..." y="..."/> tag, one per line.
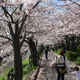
<point x="78" y="50"/>
<point x="71" y="55"/>
<point x="58" y="51"/>
<point x="77" y="61"/>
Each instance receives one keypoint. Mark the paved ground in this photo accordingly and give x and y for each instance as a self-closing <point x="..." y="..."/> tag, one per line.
<point x="46" y="73"/>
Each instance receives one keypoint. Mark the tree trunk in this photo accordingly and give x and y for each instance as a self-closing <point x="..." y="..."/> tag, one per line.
<point x="67" y="44"/>
<point x="34" y="52"/>
<point x="73" y="38"/>
<point x="17" y="60"/>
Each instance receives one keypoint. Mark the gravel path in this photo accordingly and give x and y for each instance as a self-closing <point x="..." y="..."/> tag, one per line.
<point x="46" y="73"/>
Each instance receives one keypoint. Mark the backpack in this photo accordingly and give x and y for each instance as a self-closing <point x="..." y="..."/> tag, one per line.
<point x="60" y="67"/>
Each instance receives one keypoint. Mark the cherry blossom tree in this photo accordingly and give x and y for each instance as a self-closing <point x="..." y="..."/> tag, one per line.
<point x="49" y="20"/>
<point x="13" y="20"/>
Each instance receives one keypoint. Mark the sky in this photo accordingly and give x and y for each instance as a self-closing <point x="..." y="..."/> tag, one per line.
<point x="57" y="1"/>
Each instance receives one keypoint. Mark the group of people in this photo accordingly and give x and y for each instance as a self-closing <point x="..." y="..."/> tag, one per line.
<point x="61" y="65"/>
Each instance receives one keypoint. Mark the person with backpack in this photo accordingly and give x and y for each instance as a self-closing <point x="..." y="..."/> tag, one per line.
<point x="61" y="65"/>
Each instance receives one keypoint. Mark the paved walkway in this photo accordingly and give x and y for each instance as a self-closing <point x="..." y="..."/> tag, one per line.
<point x="46" y="73"/>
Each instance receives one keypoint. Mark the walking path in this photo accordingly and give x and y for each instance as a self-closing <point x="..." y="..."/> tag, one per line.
<point x="46" y="73"/>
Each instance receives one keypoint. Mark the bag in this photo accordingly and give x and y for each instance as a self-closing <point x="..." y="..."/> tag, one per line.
<point x="60" y="67"/>
<point x="53" y="64"/>
<point x="62" y="71"/>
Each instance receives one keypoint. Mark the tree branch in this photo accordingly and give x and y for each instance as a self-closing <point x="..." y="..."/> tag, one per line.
<point x="23" y="40"/>
<point x="36" y="4"/>
<point x="11" y="30"/>
<point x="23" y="21"/>
<point x="75" y="2"/>
<point x="7" y="14"/>
<point x="6" y="38"/>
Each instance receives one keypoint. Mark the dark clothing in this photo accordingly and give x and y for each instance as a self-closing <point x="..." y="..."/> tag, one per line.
<point x="60" y="76"/>
<point x="46" y="50"/>
<point x="46" y="53"/>
<point x="46" y="56"/>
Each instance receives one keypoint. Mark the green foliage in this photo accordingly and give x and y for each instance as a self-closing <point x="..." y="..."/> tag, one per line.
<point x="77" y="61"/>
<point x="58" y="51"/>
<point x="4" y="77"/>
<point x="71" y="55"/>
<point x="25" y="63"/>
<point x="78" y="50"/>
<point x="27" y="67"/>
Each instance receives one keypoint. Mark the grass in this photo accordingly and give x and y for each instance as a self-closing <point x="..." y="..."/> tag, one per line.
<point x="28" y="68"/>
<point x="4" y="77"/>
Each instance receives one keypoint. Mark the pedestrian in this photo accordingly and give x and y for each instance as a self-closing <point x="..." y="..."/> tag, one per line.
<point x="46" y="52"/>
<point x="61" y="65"/>
<point x="76" y="72"/>
<point x="11" y="75"/>
<point x="0" y="60"/>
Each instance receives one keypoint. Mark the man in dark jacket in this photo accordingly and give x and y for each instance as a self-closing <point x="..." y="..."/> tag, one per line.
<point x="46" y="52"/>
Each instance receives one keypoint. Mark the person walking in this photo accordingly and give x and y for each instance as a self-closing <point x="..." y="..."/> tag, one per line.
<point x="62" y="65"/>
<point x="46" y="52"/>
